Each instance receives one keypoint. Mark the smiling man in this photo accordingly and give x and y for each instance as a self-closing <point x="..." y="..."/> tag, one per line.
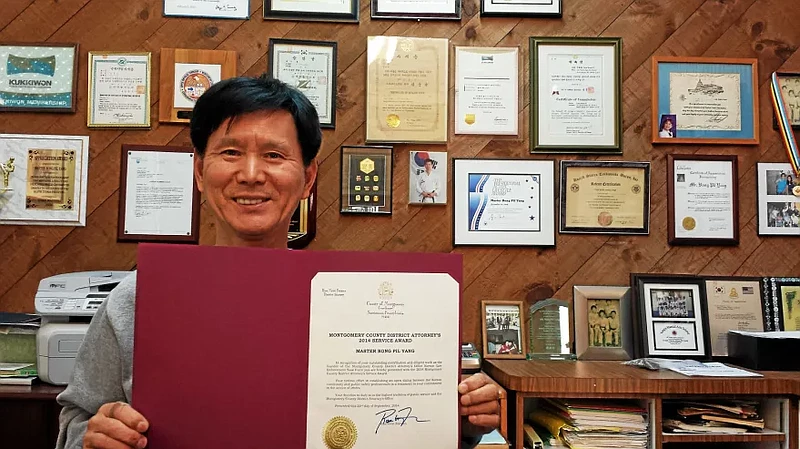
<point x="256" y="143"/>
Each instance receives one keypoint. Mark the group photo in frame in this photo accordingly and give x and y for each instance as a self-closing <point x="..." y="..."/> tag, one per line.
<point x="230" y="9"/>
<point x="38" y="77"/>
<point x="521" y="8"/>
<point x="366" y="179"/>
<point x="789" y="87"/>
<point x="119" y="90"/>
<point x="602" y="322"/>
<point x="312" y="10"/>
<point x="704" y="100"/>
<point x="503" y="330"/>
<point x="403" y="9"/>
<point x="778" y="197"/>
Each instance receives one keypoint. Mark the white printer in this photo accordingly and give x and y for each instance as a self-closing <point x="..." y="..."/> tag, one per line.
<point x="66" y="303"/>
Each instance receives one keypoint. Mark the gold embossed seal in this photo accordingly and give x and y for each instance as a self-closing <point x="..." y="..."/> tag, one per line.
<point x="796" y="190"/>
<point x="605" y="219"/>
<point x="339" y="433"/>
<point x="689" y="223"/>
<point x="393" y="120"/>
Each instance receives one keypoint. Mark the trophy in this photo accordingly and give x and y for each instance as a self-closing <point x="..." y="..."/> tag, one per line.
<point x="6" y="168"/>
<point x="548" y="332"/>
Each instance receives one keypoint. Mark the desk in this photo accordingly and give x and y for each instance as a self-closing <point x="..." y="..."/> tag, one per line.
<point x="29" y="416"/>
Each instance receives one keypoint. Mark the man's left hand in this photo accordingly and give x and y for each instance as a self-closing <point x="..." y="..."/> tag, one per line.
<point x="480" y="405"/>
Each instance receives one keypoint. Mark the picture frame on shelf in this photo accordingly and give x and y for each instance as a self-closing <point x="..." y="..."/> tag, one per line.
<point x="503" y="329"/>
<point x="603" y="325"/>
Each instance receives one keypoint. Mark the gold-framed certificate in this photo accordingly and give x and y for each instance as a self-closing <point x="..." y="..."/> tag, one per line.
<point x="605" y="197"/>
<point x="407" y="89"/>
<point x="119" y="90"/>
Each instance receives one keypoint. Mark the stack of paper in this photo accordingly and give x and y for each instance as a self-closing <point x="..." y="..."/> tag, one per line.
<point x="17" y="373"/>
<point x="712" y="417"/>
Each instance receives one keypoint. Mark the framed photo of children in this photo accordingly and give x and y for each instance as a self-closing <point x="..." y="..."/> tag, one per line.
<point x="778" y="199"/>
<point x="700" y="100"/>
<point x="366" y="180"/>
<point x="427" y="178"/>
<point x="603" y="326"/>
<point x="502" y="330"/>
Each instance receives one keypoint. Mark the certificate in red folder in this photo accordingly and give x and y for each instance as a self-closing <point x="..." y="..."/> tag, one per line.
<point x="255" y="348"/>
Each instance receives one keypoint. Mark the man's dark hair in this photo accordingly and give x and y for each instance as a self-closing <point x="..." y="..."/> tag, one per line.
<point x="233" y="97"/>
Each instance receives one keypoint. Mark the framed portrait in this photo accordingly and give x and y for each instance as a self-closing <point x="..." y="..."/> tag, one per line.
<point x="576" y="95"/>
<point x="699" y="100"/>
<point x="671" y="316"/>
<point x="230" y="9"/>
<point x="789" y="87"/>
<point x="38" y="77"/>
<point x="313" y="10"/>
<point x="119" y="90"/>
<point x="427" y="178"/>
<point x="602" y="324"/>
<point x="310" y="67"/>
<point x="521" y="8"/>
<point x="605" y="197"/>
<point x="703" y="199"/>
<point x="783" y="295"/>
<point x="734" y="303"/>
<point x="503" y="202"/>
<point x="403" y="9"/>
<point x="778" y="199"/>
<point x="503" y="337"/>
<point x="366" y="180"/>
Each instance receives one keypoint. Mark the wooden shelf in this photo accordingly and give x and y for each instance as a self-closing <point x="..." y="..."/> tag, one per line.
<point x="767" y="435"/>
<point x="39" y="391"/>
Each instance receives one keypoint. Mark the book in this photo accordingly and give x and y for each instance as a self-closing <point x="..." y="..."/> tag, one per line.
<point x="17" y="380"/>
<point x="17" y="369"/>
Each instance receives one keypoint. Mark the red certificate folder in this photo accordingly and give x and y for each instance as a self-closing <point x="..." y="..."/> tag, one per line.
<point x="222" y="335"/>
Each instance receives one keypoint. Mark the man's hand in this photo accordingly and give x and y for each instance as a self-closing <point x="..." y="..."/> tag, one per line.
<point x="480" y="405"/>
<point x="116" y="426"/>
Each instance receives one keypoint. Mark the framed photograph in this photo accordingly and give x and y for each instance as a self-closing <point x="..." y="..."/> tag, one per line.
<point x="504" y="202"/>
<point x="734" y="303"/>
<point x="699" y="100"/>
<point x="503" y="337"/>
<point x="703" y="199"/>
<point x="43" y="179"/>
<point x="366" y="180"/>
<point x="38" y="77"/>
<point x="605" y="197"/>
<point x="487" y="90"/>
<point x="119" y="90"/>
<point x="185" y="75"/>
<point x="312" y="10"/>
<point x="303" y="225"/>
<point x="576" y="88"/>
<point x="671" y="314"/>
<point x="230" y="9"/>
<point x="309" y="66"/>
<point x="602" y="322"/>
<point x="521" y="8"/>
<point x="407" y="85"/>
<point x="778" y="199"/>
<point x="782" y="294"/>
<point x="789" y="86"/>
<point x="427" y="178"/>
<point x="403" y="9"/>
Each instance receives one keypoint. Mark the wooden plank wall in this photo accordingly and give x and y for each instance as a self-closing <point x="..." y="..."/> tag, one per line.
<point x="763" y="29"/>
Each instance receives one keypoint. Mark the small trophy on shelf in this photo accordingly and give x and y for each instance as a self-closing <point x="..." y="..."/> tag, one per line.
<point x="6" y="168"/>
<point x="548" y="330"/>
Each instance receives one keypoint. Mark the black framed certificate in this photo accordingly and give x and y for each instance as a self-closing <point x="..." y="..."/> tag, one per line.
<point x="521" y="8"/>
<point x="228" y="9"/>
<point x="366" y="180"/>
<point x="414" y="9"/>
<point x="310" y="67"/>
<point x="313" y="10"/>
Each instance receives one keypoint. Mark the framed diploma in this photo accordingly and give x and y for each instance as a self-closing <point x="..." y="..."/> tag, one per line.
<point x="303" y="225"/>
<point x="603" y="323"/>
<point x="576" y="86"/>
<point x="605" y="197"/>
<point x="734" y="303"/>
<point x="503" y="335"/>
<point x="703" y="199"/>
<point x="159" y="200"/>
<point x="789" y="85"/>
<point x="119" y="90"/>
<point x="521" y="8"/>
<point x="38" y="77"/>
<point x="407" y="86"/>
<point x="43" y="179"/>
<point x="185" y="75"/>
<point x="503" y="202"/>
<point x="671" y="312"/>
<point x="427" y="178"/>
<point x="415" y="9"/>
<point x="217" y="9"/>
<point x="309" y="66"/>
<point x="314" y="10"/>
<point x="366" y="180"/>
<point x="487" y="90"/>
<point x="778" y="199"/>
<point x="782" y="294"/>
<point x="705" y="100"/>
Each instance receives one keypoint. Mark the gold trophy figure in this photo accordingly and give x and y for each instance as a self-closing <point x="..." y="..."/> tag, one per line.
<point x="7" y="169"/>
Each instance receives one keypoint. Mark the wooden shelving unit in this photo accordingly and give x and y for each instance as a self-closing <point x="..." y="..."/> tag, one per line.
<point x="772" y="435"/>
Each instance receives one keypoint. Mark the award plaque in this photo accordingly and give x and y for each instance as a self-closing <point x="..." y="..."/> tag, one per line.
<point x="119" y="90"/>
<point x="38" y="77"/>
<point x="303" y="226"/>
<point x="503" y="331"/>
<point x="366" y="180"/>
<point x="548" y="330"/>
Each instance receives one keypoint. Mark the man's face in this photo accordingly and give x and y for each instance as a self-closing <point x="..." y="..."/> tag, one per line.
<point x="253" y="177"/>
<point x="428" y="167"/>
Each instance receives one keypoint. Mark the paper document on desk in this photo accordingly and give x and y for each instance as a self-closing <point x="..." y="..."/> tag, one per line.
<point x="710" y="369"/>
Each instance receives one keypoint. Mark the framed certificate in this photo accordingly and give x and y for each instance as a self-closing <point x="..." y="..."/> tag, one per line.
<point x="225" y="9"/>
<point x="405" y="9"/>
<point x="503" y="332"/>
<point x="38" y="77"/>
<point x="705" y="100"/>
<point x="119" y="90"/>
<point x="778" y="199"/>
<point x="782" y="295"/>
<point x="487" y="90"/>
<point x="605" y="197"/>
<point x="671" y="312"/>
<point x="703" y="203"/>
<point x="503" y="202"/>
<point x="407" y="85"/>
<point x="576" y="86"/>
<point x="427" y="178"/>
<point x="521" y="8"/>
<point x="789" y="86"/>
<point x="314" y="10"/>
<point x="734" y="303"/>
<point x="159" y="200"/>
<point x="309" y="66"/>
<point x="366" y="180"/>
<point x="603" y="324"/>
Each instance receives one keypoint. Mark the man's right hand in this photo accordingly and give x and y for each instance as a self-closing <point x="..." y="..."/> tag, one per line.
<point x="116" y="426"/>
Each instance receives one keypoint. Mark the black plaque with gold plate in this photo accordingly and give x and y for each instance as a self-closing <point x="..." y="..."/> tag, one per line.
<point x="366" y="186"/>
<point x="303" y="226"/>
